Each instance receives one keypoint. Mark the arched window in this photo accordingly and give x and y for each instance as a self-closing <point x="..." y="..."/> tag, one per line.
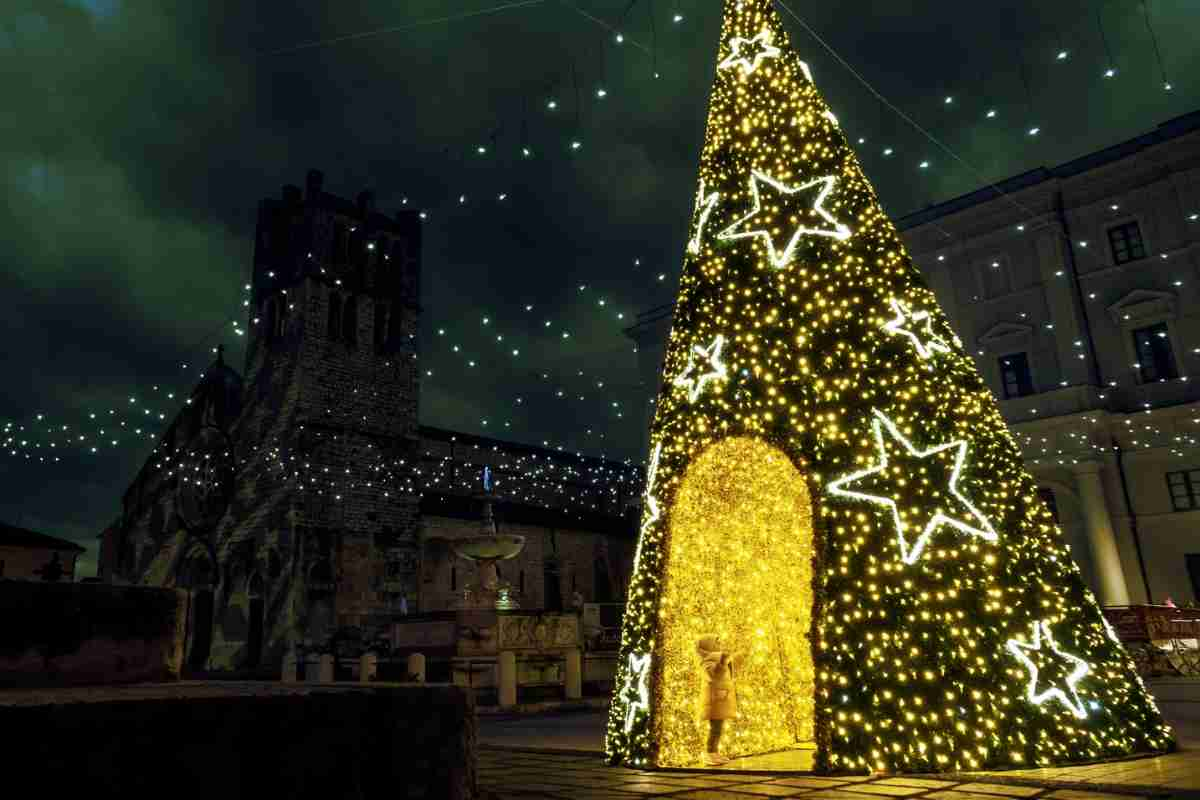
<point x="350" y="321"/>
<point x="268" y="319"/>
<point x="280" y="318"/>
<point x="335" y="317"/>
<point x="395" y="332"/>
<point x="340" y="242"/>
<point x="381" y="326"/>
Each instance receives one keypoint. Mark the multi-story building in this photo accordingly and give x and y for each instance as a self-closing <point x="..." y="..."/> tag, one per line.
<point x="1077" y="288"/>
<point x="32" y="556"/>
<point x="305" y="497"/>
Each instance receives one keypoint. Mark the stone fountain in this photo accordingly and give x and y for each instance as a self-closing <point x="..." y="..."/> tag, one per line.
<point x="486" y="549"/>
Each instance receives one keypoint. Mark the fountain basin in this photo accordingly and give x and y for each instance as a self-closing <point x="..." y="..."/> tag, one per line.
<point x="488" y="548"/>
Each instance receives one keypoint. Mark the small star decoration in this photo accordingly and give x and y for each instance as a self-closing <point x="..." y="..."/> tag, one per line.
<point x="705" y="204"/>
<point x="749" y="53"/>
<point x="794" y="203"/>
<point x="651" y="504"/>
<point x="1080" y="668"/>
<point x="918" y="327"/>
<point x="639" y="689"/>
<point x="695" y="383"/>
<point x="879" y="485"/>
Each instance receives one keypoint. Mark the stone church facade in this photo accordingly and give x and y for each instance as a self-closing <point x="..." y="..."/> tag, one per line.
<point x="302" y="497"/>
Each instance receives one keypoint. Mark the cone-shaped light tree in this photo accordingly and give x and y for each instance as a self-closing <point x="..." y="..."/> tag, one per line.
<point x="832" y="491"/>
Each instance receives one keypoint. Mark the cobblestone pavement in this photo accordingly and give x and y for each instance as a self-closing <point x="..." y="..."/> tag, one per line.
<point x="517" y="775"/>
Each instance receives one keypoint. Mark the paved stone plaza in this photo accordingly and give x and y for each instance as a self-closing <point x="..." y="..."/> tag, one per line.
<point x="505" y="774"/>
<point x="558" y="756"/>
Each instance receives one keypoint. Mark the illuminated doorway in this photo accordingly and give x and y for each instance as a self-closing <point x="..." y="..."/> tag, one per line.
<point x="739" y="566"/>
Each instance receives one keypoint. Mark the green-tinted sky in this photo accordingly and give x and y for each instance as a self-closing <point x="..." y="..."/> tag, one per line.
<point x="137" y="136"/>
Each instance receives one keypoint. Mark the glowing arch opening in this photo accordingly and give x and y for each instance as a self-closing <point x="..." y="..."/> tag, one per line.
<point x="739" y="565"/>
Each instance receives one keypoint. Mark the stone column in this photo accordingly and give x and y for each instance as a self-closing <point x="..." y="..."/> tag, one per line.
<point x="574" y="677"/>
<point x="507" y="667"/>
<point x="416" y="667"/>
<point x="290" y="667"/>
<point x="368" y="667"/>
<point x="1102" y="542"/>
<point x="326" y="673"/>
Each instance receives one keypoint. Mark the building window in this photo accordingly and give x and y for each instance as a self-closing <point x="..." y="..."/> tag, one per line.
<point x="350" y="322"/>
<point x="1126" y="243"/>
<point x="1014" y="375"/>
<point x="381" y="327"/>
<point x="1185" y="489"/>
<point x="334" y="331"/>
<point x="1155" y="360"/>
<point x="1047" y="495"/>
<point x="340" y="243"/>
<point x="995" y="278"/>
<point x="268" y="319"/>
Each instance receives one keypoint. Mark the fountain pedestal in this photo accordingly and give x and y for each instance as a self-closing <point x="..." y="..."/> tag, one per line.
<point x="485" y="550"/>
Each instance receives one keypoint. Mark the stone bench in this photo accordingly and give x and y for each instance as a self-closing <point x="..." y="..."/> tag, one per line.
<point x="242" y="740"/>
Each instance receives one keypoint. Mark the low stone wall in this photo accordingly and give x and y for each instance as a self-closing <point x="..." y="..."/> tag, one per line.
<point x="54" y="634"/>
<point x="243" y="740"/>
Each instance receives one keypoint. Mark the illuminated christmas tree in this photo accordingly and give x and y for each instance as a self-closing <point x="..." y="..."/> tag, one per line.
<point x="833" y="492"/>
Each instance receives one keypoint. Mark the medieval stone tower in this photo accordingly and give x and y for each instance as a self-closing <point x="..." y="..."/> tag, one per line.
<point x="282" y="499"/>
<point x="320" y="529"/>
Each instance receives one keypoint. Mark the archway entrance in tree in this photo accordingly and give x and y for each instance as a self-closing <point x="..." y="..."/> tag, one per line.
<point x="739" y="566"/>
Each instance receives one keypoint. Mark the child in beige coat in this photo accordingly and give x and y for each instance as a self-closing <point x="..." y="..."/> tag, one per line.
<point x="718" y="696"/>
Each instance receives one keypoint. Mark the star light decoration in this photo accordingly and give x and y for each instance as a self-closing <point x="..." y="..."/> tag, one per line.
<point x="918" y="327"/>
<point x="1082" y="668"/>
<point x="705" y="205"/>
<point x="910" y="551"/>
<point x="763" y="50"/>
<point x="639" y="679"/>
<point x="651" y="504"/>
<point x="781" y="257"/>
<point x="712" y="355"/>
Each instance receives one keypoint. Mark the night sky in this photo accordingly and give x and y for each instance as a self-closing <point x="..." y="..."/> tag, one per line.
<point x="137" y="137"/>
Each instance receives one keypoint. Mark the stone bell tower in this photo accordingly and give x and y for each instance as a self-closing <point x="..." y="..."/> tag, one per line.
<point x="331" y="394"/>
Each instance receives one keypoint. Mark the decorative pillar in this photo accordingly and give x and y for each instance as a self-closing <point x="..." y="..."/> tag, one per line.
<point x="416" y="668"/>
<point x="507" y="666"/>
<point x="368" y="667"/>
<point x="574" y="677"/>
<point x="1102" y="542"/>
<point x="326" y="673"/>
<point x="290" y="667"/>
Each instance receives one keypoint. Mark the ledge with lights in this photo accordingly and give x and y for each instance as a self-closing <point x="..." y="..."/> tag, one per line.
<point x="833" y="492"/>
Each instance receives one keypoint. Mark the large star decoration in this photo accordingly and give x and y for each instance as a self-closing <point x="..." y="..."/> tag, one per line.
<point x="693" y="380"/>
<point x="963" y="517"/>
<point x="749" y="61"/>
<point x="705" y="204"/>
<point x="825" y="225"/>
<point x="918" y="327"/>
<point x="651" y="504"/>
<point x="639" y="687"/>
<point x="1069" y="698"/>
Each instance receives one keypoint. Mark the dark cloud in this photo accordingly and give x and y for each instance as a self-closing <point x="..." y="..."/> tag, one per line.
<point x="137" y="136"/>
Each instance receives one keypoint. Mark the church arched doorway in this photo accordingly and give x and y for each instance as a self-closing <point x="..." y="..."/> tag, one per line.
<point x="254" y="632"/>
<point x="739" y="567"/>
<point x="198" y="578"/>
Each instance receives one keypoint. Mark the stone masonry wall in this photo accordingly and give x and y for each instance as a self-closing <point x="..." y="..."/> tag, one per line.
<point x="244" y="740"/>
<point x="577" y="552"/>
<point x="73" y="633"/>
